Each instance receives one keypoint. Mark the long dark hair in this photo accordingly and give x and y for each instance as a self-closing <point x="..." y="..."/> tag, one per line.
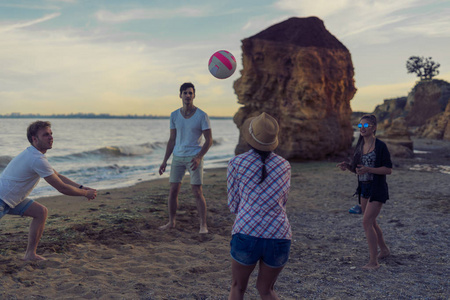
<point x="264" y="155"/>
<point x="360" y="144"/>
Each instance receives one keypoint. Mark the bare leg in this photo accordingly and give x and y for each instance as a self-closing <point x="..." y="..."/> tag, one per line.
<point x="240" y="276"/>
<point x="39" y="214"/>
<point x="384" y="250"/>
<point x="265" y="283"/>
<point x="172" y="205"/>
<point x="201" y="207"/>
<point x="371" y="211"/>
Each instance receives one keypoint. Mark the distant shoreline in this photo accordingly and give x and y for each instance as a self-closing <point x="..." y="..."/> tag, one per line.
<point x="92" y="116"/>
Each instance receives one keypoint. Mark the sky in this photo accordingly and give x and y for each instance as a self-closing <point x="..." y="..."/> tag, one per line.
<point x="130" y="57"/>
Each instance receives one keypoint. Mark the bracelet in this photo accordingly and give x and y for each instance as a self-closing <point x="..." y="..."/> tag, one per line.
<point x="80" y="187"/>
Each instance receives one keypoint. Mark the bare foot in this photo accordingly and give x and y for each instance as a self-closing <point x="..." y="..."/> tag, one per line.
<point x="33" y="257"/>
<point x="384" y="254"/>
<point x="167" y="226"/>
<point x="203" y="230"/>
<point x="371" y="266"/>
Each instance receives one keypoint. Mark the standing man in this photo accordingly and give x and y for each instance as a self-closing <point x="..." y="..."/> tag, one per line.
<point x="21" y="176"/>
<point x="187" y="125"/>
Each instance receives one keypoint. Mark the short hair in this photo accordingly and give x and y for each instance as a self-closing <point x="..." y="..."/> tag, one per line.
<point x="185" y="86"/>
<point x="34" y="127"/>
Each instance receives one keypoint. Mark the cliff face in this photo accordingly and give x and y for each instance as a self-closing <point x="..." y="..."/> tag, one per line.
<point x="437" y="127"/>
<point x="302" y="75"/>
<point x="427" y="99"/>
<point x="390" y="109"/>
<point x="426" y="107"/>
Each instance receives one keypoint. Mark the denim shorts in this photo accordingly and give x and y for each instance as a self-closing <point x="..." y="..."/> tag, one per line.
<point x="366" y="189"/>
<point x="19" y="210"/>
<point x="178" y="169"/>
<point x="248" y="250"/>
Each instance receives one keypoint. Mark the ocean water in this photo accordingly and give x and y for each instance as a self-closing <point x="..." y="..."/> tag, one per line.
<point x="110" y="153"/>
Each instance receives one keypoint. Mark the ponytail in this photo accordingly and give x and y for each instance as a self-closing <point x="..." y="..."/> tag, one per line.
<point x="264" y="155"/>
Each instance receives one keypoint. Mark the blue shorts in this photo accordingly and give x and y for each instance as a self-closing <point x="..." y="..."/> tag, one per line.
<point x="248" y="250"/>
<point x="19" y="210"/>
<point x="366" y="189"/>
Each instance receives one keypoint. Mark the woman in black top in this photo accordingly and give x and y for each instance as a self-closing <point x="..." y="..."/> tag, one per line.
<point x="371" y="162"/>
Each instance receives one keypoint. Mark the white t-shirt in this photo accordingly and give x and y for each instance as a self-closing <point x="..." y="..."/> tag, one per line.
<point x="189" y="139"/>
<point x="22" y="174"/>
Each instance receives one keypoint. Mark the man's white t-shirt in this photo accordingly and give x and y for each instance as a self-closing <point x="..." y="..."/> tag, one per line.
<point x="22" y="174"/>
<point x="189" y="140"/>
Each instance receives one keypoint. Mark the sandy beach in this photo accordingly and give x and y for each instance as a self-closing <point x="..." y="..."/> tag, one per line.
<point x="111" y="248"/>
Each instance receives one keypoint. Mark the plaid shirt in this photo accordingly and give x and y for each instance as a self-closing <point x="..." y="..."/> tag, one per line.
<point x="260" y="208"/>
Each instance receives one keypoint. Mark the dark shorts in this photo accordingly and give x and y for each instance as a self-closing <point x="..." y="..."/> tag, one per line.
<point x="248" y="250"/>
<point x="366" y="192"/>
<point x="366" y="189"/>
<point x="19" y="210"/>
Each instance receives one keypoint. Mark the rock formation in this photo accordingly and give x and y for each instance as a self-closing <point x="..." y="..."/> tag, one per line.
<point x="398" y="139"/>
<point x="437" y="127"/>
<point x="427" y="99"/>
<point x="302" y="75"/>
<point x="389" y="110"/>
<point x="425" y="106"/>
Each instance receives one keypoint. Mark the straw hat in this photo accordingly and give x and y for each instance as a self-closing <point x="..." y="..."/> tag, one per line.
<point x="261" y="132"/>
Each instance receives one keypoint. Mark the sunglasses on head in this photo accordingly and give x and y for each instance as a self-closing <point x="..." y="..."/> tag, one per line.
<point x="365" y="125"/>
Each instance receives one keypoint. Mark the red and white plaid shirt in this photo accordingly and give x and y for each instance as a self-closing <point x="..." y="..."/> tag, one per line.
<point x="260" y="208"/>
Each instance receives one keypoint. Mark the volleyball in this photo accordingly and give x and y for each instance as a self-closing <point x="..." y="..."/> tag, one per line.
<point x="222" y="64"/>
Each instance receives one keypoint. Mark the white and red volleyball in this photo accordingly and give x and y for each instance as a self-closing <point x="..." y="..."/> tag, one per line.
<point x="222" y="64"/>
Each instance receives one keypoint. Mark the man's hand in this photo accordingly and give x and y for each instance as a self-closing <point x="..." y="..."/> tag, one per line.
<point x="162" y="168"/>
<point x="91" y="193"/>
<point x="195" y="162"/>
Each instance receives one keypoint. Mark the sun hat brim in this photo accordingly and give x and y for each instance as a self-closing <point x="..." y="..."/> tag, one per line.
<point x="251" y="140"/>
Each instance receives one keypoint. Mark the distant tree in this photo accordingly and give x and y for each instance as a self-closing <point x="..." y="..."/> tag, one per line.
<point x="425" y="68"/>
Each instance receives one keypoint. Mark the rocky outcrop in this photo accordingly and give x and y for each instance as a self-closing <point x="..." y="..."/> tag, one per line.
<point x="302" y="75"/>
<point x="426" y="100"/>
<point x="398" y="139"/>
<point x="438" y="127"/>
<point x="423" y="107"/>
<point x="389" y="110"/>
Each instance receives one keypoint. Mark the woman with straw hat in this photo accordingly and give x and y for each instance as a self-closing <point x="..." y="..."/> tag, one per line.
<point x="258" y="186"/>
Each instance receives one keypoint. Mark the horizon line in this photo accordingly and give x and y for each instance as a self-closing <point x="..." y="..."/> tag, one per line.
<point x="91" y="116"/>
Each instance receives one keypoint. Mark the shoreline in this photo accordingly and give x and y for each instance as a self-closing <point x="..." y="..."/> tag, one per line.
<point x="111" y="248"/>
<point x="430" y="152"/>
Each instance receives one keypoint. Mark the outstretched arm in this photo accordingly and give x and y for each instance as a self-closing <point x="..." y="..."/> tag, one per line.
<point x="72" y="183"/>
<point x="67" y="187"/>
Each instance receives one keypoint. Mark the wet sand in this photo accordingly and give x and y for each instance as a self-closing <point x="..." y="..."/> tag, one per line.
<point x="111" y="248"/>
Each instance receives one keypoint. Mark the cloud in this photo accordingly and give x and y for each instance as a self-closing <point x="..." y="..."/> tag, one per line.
<point x="259" y="23"/>
<point x="29" y="23"/>
<point x="319" y="8"/>
<point x="64" y="71"/>
<point x="382" y="18"/>
<point x="430" y="25"/>
<point x="30" y="6"/>
<point x="64" y="1"/>
<point x="146" y="14"/>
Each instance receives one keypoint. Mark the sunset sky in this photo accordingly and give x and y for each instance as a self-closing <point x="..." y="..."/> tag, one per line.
<point x="130" y="57"/>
